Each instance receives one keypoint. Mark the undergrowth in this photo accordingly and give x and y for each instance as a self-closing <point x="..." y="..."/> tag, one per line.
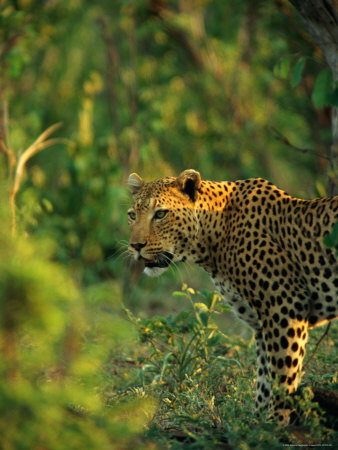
<point x="204" y="383"/>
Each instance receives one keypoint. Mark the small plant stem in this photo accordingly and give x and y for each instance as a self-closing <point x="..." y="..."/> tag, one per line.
<point x="13" y="216"/>
<point x="183" y="363"/>
<point x="326" y="332"/>
<point x="5" y="146"/>
<point x="188" y="345"/>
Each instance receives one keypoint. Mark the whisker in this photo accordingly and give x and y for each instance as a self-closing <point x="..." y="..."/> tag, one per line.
<point x="122" y="251"/>
<point x="117" y="256"/>
<point x="173" y="265"/>
<point x="187" y="268"/>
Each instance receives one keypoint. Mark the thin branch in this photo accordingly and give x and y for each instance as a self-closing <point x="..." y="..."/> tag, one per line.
<point x="133" y="95"/>
<point x="112" y="71"/>
<point x="5" y="124"/>
<point x="10" y="43"/>
<point x="112" y="77"/>
<point x="285" y="140"/>
<point x="160" y="9"/>
<point x="5" y="146"/>
<point x="317" y="345"/>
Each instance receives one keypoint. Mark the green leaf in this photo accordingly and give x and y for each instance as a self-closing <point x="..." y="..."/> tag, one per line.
<point x="221" y="307"/>
<point x="282" y="68"/>
<point x="334" y="233"/>
<point x="331" y="239"/>
<point x="179" y="294"/>
<point x="322" y="89"/>
<point x="204" y="318"/>
<point x="328" y="241"/>
<point x="182" y="316"/>
<point x="297" y="72"/>
<point x="214" y="340"/>
<point x="208" y="296"/>
<point x="333" y="97"/>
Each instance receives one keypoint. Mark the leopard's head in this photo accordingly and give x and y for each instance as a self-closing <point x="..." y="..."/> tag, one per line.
<point x="163" y="220"/>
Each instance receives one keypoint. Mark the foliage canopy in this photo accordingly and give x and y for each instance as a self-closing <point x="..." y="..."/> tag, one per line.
<point x="153" y="86"/>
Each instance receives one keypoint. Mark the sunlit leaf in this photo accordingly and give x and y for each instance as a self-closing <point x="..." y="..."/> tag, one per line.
<point x="282" y="69"/>
<point x="179" y="294"/>
<point x="200" y="305"/>
<point x="297" y="72"/>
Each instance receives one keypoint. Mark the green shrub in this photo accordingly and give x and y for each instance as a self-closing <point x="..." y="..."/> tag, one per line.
<point x="55" y="341"/>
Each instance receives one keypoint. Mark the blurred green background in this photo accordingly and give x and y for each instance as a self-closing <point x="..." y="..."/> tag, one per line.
<point x="154" y="87"/>
<point x="151" y="86"/>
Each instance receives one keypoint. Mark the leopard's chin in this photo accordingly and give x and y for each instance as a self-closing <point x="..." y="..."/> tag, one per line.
<point x="157" y="266"/>
<point x="154" y="271"/>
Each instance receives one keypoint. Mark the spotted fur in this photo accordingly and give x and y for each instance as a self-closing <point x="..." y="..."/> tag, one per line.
<point x="262" y="248"/>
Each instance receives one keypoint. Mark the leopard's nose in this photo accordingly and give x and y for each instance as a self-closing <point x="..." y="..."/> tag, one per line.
<point x="138" y="245"/>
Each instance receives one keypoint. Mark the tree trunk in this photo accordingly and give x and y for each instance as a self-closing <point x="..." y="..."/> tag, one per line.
<point x="321" y="21"/>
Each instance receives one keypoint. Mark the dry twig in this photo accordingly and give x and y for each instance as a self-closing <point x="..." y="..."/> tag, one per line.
<point x="19" y="163"/>
<point x="40" y="144"/>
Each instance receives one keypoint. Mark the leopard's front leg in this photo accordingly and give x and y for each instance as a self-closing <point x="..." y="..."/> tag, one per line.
<point x="285" y="351"/>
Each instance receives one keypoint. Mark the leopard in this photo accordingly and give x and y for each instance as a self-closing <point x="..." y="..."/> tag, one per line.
<point x="264" y="251"/>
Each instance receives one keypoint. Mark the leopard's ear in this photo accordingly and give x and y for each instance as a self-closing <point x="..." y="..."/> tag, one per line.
<point x="189" y="183"/>
<point x="135" y="183"/>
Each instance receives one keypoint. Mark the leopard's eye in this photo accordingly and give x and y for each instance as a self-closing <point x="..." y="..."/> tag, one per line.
<point x="160" y="214"/>
<point x="132" y="215"/>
